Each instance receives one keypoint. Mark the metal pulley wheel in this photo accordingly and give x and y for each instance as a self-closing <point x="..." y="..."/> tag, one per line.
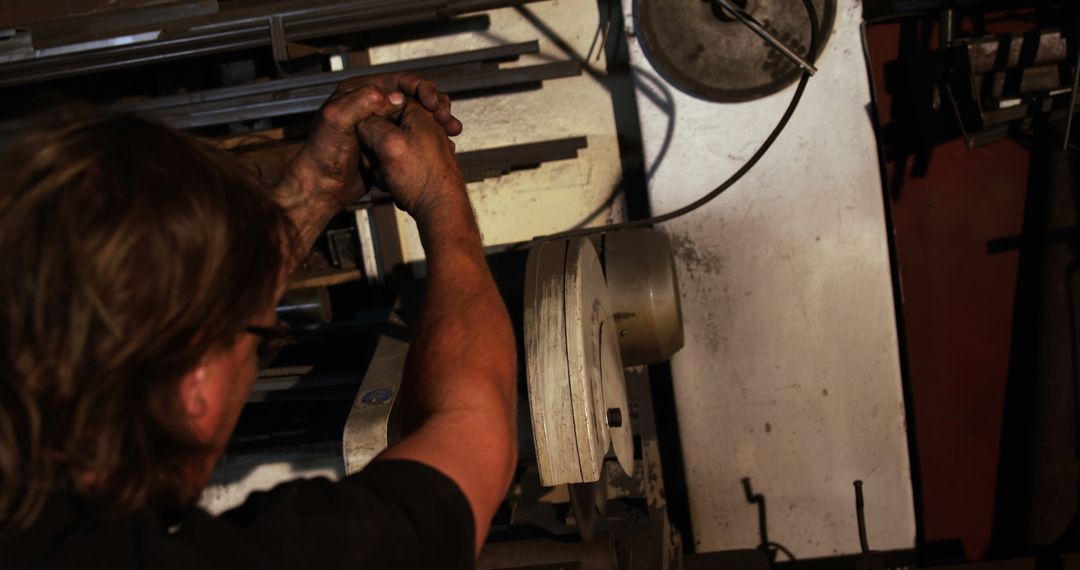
<point x="644" y="290"/>
<point x="701" y="50"/>
<point x="577" y="392"/>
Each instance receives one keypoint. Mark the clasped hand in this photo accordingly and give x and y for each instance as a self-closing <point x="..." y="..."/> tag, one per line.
<point x="393" y="128"/>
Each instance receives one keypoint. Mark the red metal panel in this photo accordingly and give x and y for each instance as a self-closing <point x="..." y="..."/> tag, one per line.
<point x="958" y="309"/>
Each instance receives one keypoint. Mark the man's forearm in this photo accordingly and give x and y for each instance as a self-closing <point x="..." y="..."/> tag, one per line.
<point x="457" y="400"/>
<point x="309" y="208"/>
<point x="462" y="308"/>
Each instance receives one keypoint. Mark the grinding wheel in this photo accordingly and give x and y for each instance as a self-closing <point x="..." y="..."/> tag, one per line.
<point x="573" y="365"/>
<point x="644" y="290"/>
<point x="701" y="51"/>
<point x="596" y="367"/>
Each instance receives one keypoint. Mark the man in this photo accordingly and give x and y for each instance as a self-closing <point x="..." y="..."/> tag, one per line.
<point x="139" y="271"/>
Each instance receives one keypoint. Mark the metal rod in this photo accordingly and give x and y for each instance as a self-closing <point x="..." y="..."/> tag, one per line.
<point x="232" y="110"/>
<point x="239" y="96"/>
<point x="1072" y="103"/>
<point x="491" y="162"/>
<point x="747" y="20"/>
<point x="240" y="29"/>
<point x="457" y="58"/>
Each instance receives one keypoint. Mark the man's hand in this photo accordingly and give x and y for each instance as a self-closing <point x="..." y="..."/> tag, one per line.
<point x="329" y="164"/>
<point x="414" y="159"/>
<point x="325" y="176"/>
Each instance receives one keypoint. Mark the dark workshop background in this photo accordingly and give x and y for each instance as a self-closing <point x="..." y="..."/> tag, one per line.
<point x="947" y="203"/>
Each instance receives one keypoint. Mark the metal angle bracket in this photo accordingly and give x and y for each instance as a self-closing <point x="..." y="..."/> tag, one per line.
<point x="368" y="428"/>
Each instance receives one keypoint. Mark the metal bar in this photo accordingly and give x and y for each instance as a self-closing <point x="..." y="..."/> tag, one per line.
<point x="1072" y="104"/>
<point x="345" y="27"/>
<point x="296" y="12"/>
<point x="277" y="39"/>
<point x="984" y="54"/>
<point x="489" y="163"/>
<point x="467" y="6"/>
<point x="457" y="58"/>
<point x="180" y="118"/>
<point x="305" y="382"/>
<point x="251" y="30"/>
<point x="747" y="20"/>
<point x="510" y="77"/>
<point x="37" y="71"/>
<point x="366" y="429"/>
<point x="80" y="29"/>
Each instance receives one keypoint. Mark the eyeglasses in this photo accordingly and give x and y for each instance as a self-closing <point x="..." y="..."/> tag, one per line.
<point x="271" y="340"/>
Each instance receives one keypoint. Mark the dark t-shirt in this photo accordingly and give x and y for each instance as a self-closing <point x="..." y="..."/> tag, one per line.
<point x="393" y="514"/>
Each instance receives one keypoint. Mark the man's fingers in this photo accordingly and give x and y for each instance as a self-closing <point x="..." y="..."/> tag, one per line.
<point x="453" y="128"/>
<point x="384" y="139"/>
<point x="402" y="85"/>
<point x="421" y="89"/>
<point x="442" y="112"/>
<point x="416" y="119"/>
<point x="450" y="124"/>
<point x="415" y="116"/>
<point x="351" y="105"/>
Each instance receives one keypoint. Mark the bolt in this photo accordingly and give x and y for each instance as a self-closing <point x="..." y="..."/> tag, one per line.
<point x="377" y="397"/>
<point x="614" y="417"/>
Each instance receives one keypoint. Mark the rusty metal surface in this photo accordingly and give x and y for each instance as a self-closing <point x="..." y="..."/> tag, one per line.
<point x="1040" y="47"/>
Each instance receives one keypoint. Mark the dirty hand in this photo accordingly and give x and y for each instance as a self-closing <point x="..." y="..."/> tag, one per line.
<point x="331" y="158"/>
<point x="414" y="159"/>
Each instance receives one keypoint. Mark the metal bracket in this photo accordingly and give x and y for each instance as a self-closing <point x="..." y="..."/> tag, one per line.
<point x="367" y="431"/>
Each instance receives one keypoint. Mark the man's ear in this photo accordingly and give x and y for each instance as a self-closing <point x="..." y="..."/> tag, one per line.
<point x="193" y="392"/>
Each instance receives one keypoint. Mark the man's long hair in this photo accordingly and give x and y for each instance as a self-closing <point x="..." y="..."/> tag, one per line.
<point x="128" y="252"/>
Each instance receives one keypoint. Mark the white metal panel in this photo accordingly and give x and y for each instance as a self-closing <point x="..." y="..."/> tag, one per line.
<point x="557" y="195"/>
<point x="790" y="375"/>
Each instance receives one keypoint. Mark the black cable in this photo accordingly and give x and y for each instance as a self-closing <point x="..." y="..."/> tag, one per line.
<point x="860" y="517"/>
<point x="781" y="548"/>
<point x="812" y="13"/>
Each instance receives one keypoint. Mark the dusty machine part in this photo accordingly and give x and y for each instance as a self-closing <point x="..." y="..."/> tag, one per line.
<point x="704" y="51"/>
<point x="577" y="392"/>
<point x="999" y="85"/>
<point x="614" y="413"/>
<point x="304" y="307"/>
<point x="596" y="371"/>
<point x="546" y="365"/>
<point x="644" y="290"/>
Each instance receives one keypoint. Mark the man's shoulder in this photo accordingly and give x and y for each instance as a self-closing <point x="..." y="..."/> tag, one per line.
<point x="393" y="514"/>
